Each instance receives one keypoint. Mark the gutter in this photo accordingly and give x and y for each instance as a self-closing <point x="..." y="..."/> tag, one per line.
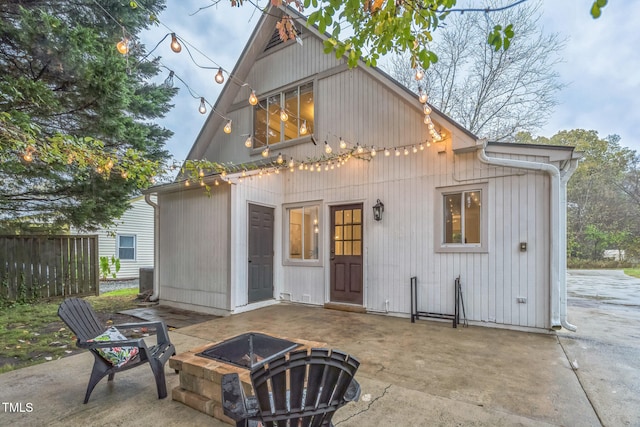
<point x="558" y="225"/>
<point x="566" y="173"/>
<point x="156" y="252"/>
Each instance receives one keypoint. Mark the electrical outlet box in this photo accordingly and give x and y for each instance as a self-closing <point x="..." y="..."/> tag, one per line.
<point x="521" y="300"/>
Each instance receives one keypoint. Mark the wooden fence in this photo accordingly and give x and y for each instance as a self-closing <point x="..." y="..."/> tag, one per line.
<point x="35" y="267"/>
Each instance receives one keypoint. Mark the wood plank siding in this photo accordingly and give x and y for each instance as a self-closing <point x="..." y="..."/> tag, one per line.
<point x="136" y="221"/>
<point x="203" y="241"/>
<point x="194" y="248"/>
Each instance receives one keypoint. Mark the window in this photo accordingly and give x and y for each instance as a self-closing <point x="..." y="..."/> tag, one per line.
<point x="304" y="231"/>
<point x="126" y="247"/>
<point x="284" y="116"/>
<point x="463" y="219"/>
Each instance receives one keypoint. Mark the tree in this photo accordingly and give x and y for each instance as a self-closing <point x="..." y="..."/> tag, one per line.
<point x="601" y="215"/>
<point x="76" y="137"/>
<point x="494" y="94"/>
<point x="379" y="27"/>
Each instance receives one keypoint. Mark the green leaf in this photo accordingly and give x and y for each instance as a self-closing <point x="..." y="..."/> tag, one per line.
<point x="595" y="10"/>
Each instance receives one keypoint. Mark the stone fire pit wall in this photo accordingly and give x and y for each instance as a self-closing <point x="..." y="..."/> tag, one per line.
<point x="201" y="378"/>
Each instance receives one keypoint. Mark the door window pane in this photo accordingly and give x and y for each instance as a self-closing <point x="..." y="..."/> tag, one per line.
<point x="339" y="250"/>
<point x="348" y="216"/>
<point x="347" y="248"/>
<point x="357" y="248"/>
<point x="357" y="216"/>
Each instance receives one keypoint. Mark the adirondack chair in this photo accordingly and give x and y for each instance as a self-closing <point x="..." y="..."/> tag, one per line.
<point x="320" y="382"/>
<point x="82" y="320"/>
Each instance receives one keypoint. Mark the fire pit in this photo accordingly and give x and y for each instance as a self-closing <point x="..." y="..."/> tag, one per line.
<point x="249" y="350"/>
<point x="201" y="369"/>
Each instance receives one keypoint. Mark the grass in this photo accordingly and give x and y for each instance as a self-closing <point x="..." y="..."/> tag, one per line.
<point x="633" y="272"/>
<point x="33" y="333"/>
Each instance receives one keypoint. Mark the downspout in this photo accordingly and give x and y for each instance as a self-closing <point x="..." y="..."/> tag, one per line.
<point x="156" y="252"/>
<point x="555" y="254"/>
<point x="565" y="174"/>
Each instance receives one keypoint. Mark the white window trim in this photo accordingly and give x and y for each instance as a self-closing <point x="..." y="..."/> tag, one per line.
<point x="285" y="235"/>
<point x="135" y="246"/>
<point x="483" y="246"/>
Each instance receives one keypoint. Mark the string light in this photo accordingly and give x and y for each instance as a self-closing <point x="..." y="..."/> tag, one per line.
<point x="227" y="127"/>
<point x="386" y="152"/>
<point x="280" y="159"/>
<point x="406" y="151"/>
<point x="373" y="152"/>
<point x="253" y="99"/>
<point x="422" y="96"/>
<point x="419" y="74"/>
<point x="327" y="148"/>
<point x="427" y="119"/>
<point x="283" y="115"/>
<point x="168" y="82"/>
<point x="303" y="128"/>
<point x="265" y="152"/>
<point x="203" y="107"/>
<point x="414" y="149"/>
<point x="219" y="78"/>
<point x="359" y="148"/>
<point x="343" y="144"/>
<point x="123" y="46"/>
<point x="248" y="142"/>
<point x="427" y="109"/>
<point x="175" y="44"/>
<point x="397" y="152"/>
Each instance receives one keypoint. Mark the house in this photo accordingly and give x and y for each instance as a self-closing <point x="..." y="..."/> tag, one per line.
<point x="131" y="239"/>
<point x="292" y="217"/>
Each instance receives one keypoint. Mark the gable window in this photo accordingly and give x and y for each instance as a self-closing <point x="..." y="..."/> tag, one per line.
<point x="126" y="246"/>
<point x="284" y="116"/>
<point x="303" y="231"/>
<point x="462" y="219"/>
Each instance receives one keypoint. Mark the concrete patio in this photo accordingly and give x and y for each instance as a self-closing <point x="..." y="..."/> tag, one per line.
<point x="419" y="374"/>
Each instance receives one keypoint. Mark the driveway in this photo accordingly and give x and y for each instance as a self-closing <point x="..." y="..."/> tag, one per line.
<point x="605" y="306"/>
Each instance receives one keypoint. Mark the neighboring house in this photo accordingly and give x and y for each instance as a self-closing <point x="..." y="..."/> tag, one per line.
<point x="130" y="239"/>
<point x="493" y="214"/>
<point x="614" y="254"/>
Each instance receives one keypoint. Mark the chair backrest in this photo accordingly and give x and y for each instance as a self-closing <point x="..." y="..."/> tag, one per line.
<point x="80" y="318"/>
<point x="317" y="383"/>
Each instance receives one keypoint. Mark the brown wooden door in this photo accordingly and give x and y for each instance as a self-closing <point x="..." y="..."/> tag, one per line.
<point x="260" y="253"/>
<point x="346" y="254"/>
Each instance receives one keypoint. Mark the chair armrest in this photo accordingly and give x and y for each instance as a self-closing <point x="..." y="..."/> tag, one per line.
<point x="353" y="391"/>
<point x="234" y="402"/>
<point x="162" y="333"/>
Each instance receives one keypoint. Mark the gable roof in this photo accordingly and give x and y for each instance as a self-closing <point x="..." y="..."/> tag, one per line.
<point x="261" y="40"/>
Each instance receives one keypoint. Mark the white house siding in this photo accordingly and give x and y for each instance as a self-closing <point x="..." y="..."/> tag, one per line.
<point x="402" y="245"/>
<point x="136" y="221"/>
<point x="194" y="258"/>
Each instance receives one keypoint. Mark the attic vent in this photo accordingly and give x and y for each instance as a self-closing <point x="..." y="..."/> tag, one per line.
<point x="275" y="39"/>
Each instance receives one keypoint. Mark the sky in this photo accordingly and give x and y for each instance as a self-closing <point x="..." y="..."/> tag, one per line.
<point x="600" y="64"/>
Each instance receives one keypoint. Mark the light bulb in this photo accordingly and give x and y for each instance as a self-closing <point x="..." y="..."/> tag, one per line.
<point x="386" y="152"/>
<point x="301" y="166"/>
<point x="327" y="148"/>
<point x="123" y="46"/>
<point x="427" y="109"/>
<point x="283" y="115"/>
<point x="248" y="141"/>
<point x="280" y="160"/>
<point x="421" y="147"/>
<point x="406" y="151"/>
<point x="223" y="173"/>
<point x="227" y="127"/>
<point x="186" y="183"/>
<point x="397" y="152"/>
<point x="427" y="119"/>
<point x="168" y="82"/>
<point x="201" y="173"/>
<point x="419" y="74"/>
<point x="175" y="44"/>
<point x="373" y="152"/>
<point x="359" y="149"/>
<point x="415" y="149"/>
<point x="203" y="107"/>
<point x="303" y="128"/>
<point x="265" y="152"/>
<point x="253" y="99"/>
<point x="343" y="144"/>
<point x="216" y="182"/>
<point x="422" y="97"/>
<point x="220" y="77"/>
<point x="124" y="174"/>
<point x="291" y="164"/>
<point x="431" y="126"/>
